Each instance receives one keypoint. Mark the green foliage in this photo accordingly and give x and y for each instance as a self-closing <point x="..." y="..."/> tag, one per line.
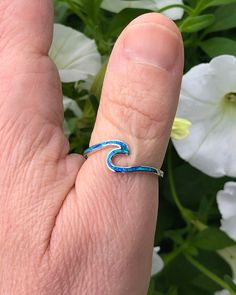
<point x="212" y="238"/>
<point x="196" y="23"/>
<point x="188" y="225"/>
<point x="210" y="3"/>
<point x="218" y="45"/>
<point x="121" y="20"/>
<point x="225" y="18"/>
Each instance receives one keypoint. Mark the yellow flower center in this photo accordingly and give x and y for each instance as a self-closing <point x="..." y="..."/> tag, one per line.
<point x="230" y="98"/>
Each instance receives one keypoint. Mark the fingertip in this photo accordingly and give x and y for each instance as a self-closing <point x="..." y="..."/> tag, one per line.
<point x="151" y="39"/>
<point x="158" y="38"/>
<point x="160" y="19"/>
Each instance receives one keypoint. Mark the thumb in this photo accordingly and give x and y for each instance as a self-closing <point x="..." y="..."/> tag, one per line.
<point x="138" y="105"/>
<point x="141" y="89"/>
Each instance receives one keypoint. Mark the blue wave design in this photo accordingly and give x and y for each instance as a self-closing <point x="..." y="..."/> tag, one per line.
<point x="121" y="148"/>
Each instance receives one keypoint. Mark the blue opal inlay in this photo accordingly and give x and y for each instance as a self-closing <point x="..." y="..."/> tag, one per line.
<point x="121" y="148"/>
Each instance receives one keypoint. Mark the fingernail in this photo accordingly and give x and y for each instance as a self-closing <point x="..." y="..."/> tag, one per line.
<point x="152" y="44"/>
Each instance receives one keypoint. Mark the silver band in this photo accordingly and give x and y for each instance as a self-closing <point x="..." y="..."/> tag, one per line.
<point x="120" y="148"/>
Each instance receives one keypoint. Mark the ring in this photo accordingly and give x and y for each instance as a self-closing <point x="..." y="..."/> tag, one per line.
<point x="121" y="148"/>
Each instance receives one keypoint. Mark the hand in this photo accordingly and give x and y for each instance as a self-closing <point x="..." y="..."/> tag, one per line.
<point x="70" y="226"/>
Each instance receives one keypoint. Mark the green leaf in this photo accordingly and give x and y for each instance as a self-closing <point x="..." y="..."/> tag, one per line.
<point x="230" y="282"/>
<point x="193" y="290"/>
<point x="218" y="45"/>
<point x="176" y="235"/>
<point x="173" y="291"/>
<point x="177" y="273"/>
<point x="61" y="11"/>
<point x="96" y="87"/>
<point x="92" y="8"/>
<point x="218" y="2"/>
<point x="167" y="219"/>
<point x="225" y="18"/>
<point x="197" y="23"/>
<point x="212" y="239"/>
<point x="215" y="264"/>
<point x="192" y="186"/>
<point x="122" y="19"/>
<point x="151" y="290"/>
<point x="88" y="11"/>
<point x="182" y="274"/>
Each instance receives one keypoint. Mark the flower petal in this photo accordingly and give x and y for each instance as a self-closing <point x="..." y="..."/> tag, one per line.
<point x="224" y="66"/>
<point x="229" y="255"/>
<point x="216" y="155"/>
<point x="118" y="5"/>
<point x="210" y="146"/>
<point x="226" y="200"/>
<point x="75" y="55"/>
<point x="173" y="13"/>
<point x="66" y="128"/>
<point x="157" y="262"/>
<point x="208" y="83"/>
<point x="223" y="292"/>
<point x="70" y="104"/>
<point x="228" y="226"/>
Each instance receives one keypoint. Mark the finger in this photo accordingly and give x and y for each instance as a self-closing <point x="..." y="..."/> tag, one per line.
<point x="139" y="102"/>
<point x="117" y="212"/>
<point x="36" y="171"/>
<point x="30" y="80"/>
<point x="26" y="25"/>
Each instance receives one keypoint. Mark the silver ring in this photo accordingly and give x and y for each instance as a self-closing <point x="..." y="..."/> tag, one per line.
<point x="121" y="148"/>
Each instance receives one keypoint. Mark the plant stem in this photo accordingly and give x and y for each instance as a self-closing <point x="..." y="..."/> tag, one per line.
<point x="96" y="88"/>
<point x="199" y="7"/>
<point x="169" y="257"/>
<point x="209" y="274"/>
<point x="183" y="211"/>
<point x="188" y="9"/>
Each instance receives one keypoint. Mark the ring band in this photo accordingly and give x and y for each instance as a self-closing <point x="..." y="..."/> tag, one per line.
<point x="121" y="148"/>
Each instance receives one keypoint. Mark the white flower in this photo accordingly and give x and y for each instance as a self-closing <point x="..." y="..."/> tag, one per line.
<point x="223" y="292"/>
<point x="229" y="255"/>
<point x="226" y="200"/>
<point x="66" y="128"/>
<point x="155" y="5"/>
<point x="157" y="262"/>
<point x="208" y="101"/>
<point x="75" y="55"/>
<point x="70" y="104"/>
<point x="77" y="58"/>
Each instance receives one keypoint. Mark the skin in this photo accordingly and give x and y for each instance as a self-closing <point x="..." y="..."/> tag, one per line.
<point x="70" y="226"/>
